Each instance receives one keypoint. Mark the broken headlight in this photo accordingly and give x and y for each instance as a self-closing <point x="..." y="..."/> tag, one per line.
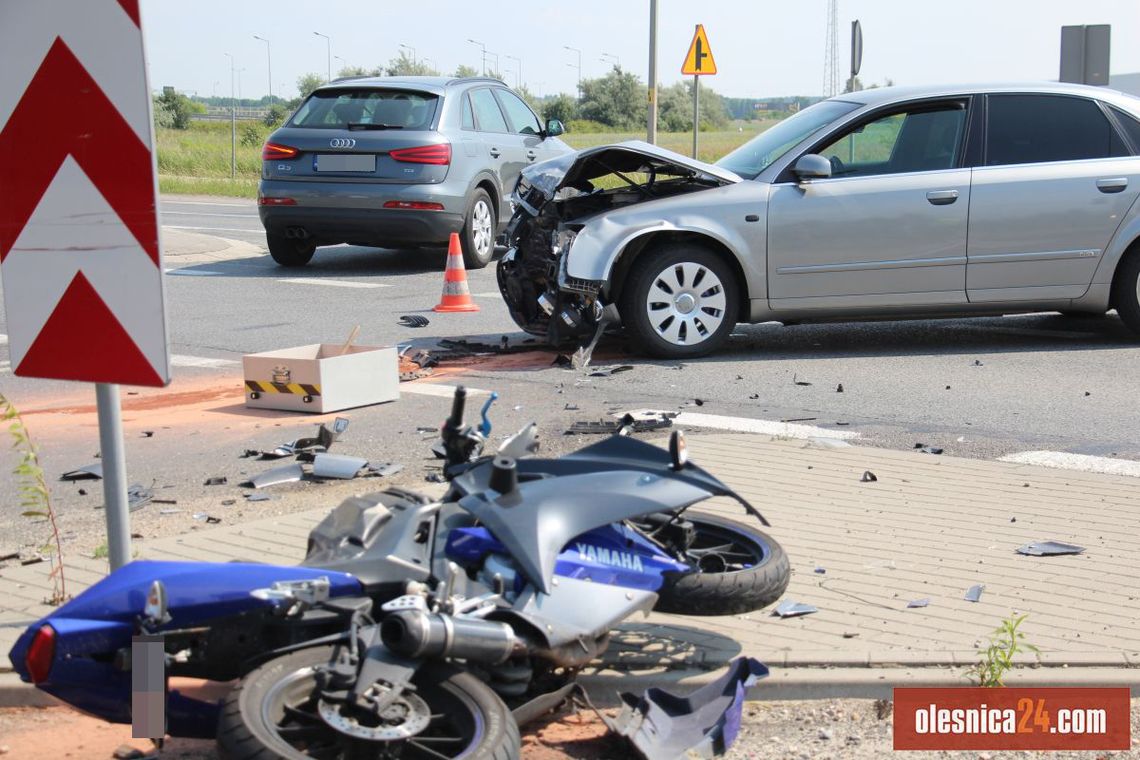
<point x="563" y="240"/>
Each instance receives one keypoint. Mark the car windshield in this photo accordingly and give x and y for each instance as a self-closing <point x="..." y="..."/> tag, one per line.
<point x="364" y="108"/>
<point x="760" y="152"/>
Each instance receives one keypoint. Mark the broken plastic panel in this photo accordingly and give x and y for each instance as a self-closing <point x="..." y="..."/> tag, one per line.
<point x="1049" y="549"/>
<point x="974" y="593"/>
<point x="90" y="472"/>
<point x="138" y="497"/>
<point x="917" y="603"/>
<point x="384" y="469"/>
<point x="290" y="473"/>
<point x="663" y="726"/>
<point x="789" y="608"/>
<point x="337" y="466"/>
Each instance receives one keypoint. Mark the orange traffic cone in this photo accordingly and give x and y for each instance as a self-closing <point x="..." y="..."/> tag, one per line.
<point x="456" y="296"/>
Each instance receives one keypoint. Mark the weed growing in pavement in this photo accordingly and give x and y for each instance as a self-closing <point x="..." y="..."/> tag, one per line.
<point x="1006" y="642"/>
<point x="35" y="499"/>
<point x="101" y="551"/>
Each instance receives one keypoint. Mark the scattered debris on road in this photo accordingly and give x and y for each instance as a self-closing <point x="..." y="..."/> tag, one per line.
<point x="868" y="477"/>
<point x="917" y="603"/>
<point x="789" y="608"/>
<point x="148" y="434"/>
<point x="627" y="424"/>
<point x="611" y="370"/>
<point x="974" y="593"/>
<point x="290" y="473"/>
<point x="337" y="466"/>
<point x="138" y="497"/>
<point x="414" y="320"/>
<point x="90" y="472"/>
<point x="1049" y="549"/>
<point x="218" y="480"/>
<point x="924" y="449"/>
<point x="258" y="496"/>
<point x="385" y="469"/>
<point x="839" y="388"/>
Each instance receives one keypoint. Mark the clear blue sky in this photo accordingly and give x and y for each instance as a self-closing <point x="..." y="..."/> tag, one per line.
<point x="762" y="47"/>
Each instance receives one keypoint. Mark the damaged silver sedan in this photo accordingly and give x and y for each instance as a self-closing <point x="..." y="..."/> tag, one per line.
<point x="886" y="203"/>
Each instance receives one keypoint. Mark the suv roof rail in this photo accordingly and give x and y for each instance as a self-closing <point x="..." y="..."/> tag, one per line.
<point x="349" y="79"/>
<point x="457" y="80"/>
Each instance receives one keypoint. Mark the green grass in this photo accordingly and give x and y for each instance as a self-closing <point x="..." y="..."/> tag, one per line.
<point x="196" y="161"/>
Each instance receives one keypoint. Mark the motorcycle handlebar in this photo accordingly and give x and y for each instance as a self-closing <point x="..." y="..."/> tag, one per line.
<point x="455" y="421"/>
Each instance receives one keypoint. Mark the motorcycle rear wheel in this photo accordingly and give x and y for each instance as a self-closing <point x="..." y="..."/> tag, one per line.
<point x="273" y="713"/>
<point x="741" y="569"/>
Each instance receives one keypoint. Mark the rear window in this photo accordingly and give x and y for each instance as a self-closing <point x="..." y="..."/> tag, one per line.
<point x="365" y="108"/>
<point x="1029" y="129"/>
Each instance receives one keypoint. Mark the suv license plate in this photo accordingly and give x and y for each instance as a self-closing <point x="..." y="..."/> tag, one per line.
<point x="345" y="162"/>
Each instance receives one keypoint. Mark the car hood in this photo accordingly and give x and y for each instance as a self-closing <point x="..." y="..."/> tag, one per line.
<point x="574" y="169"/>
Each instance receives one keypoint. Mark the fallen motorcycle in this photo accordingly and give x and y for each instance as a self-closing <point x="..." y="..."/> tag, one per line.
<point x="412" y="622"/>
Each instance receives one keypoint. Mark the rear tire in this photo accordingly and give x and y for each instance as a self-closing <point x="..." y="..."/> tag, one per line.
<point x="248" y="727"/>
<point x="479" y="229"/>
<point x="731" y="592"/>
<point x="290" y="252"/>
<point x="1126" y="290"/>
<point x="681" y="301"/>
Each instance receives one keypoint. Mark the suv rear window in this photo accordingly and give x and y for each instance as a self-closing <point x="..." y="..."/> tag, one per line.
<point x="342" y="108"/>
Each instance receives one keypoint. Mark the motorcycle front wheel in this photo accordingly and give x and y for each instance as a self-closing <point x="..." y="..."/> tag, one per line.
<point x="736" y="569"/>
<point x="276" y="712"/>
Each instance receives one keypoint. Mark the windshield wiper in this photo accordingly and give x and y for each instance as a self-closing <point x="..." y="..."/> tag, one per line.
<point x="371" y="125"/>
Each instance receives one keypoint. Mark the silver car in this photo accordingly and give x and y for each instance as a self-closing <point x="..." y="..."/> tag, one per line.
<point x="399" y="161"/>
<point x="894" y="202"/>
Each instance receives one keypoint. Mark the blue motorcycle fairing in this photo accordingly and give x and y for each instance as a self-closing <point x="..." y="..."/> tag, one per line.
<point x="101" y="620"/>
<point x="613" y="554"/>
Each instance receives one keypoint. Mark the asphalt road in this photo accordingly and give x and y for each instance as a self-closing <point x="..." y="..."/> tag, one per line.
<point x="983" y="388"/>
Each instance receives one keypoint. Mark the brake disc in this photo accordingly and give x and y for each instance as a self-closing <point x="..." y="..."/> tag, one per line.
<point x="404" y="718"/>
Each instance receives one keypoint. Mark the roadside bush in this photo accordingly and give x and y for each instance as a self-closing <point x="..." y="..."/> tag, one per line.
<point x="177" y="107"/>
<point x="275" y="116"/>
<point x="562" y="107"/>
<point x="252" y="135"/>
<point x="585" y="126"/>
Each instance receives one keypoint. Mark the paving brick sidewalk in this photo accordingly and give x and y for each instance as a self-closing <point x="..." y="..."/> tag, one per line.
<point x="930" y="527"/>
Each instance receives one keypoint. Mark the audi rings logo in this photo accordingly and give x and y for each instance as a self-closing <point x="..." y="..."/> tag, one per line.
<point x="342" y="142"/>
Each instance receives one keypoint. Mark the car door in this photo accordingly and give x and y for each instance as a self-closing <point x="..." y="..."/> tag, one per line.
<point x="888" y="227"/>
<point x="1055" y="184"/>
<point x="500" y="147"/>
<point x="536" y="146"/>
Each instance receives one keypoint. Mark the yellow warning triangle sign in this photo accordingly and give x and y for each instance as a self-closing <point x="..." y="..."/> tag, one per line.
<point x="699" y="61"/>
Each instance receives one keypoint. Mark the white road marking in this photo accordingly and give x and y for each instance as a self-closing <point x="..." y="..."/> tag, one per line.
<point x="3" y="339"/>
<point x="488" y="294"/>
<point x="332" y="283"/>
<point x="748" y="425"/>
<point x="212" y="229"/>
<point x="5" y="367"/>
<point x="207" y="203"/>
<point x="437" y="389"/>
<point x="1083" y="462"/>
<point x="203" y="213"/>
<point x="181" y="360"/>
<point x="193" y="272"/>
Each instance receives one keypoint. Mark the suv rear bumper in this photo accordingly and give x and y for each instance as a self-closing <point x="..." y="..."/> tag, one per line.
<point x="371" y="226"/>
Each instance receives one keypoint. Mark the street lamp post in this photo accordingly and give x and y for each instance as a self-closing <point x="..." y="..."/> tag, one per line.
<point x="430" y="63"/>
<point x="579" y="52"/>
<point x="484" y="49"/>
<point x="268" y="66"/>
<point x="343" y="63"/>
<point x="239" y="71"/>
<point x="496" y="55"/>
<point x="518" y="70"/>
<point x="409" y="47"/>
<point x="328" y="53"/>
<point x="651" y="127"/>
<point x="617" y="61"/>
<point x="233" y="121"/>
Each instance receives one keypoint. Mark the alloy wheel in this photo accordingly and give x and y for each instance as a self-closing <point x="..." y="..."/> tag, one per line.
<point x="481" y="228"/>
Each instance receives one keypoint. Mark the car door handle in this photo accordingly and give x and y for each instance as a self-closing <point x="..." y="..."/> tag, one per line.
<point x="531" y="155"/>
<point x="1112" y="185"/>
<point x="942" y="197"/>
<point x="495" y="153"/>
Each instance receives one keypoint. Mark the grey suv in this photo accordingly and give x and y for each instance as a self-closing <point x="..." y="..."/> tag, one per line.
<point x="397" y="162"/>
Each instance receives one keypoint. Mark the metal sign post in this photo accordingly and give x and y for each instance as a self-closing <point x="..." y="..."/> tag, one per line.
<point x="698" y="62"/>
<point x="114" y="474"/>
<point x="651" y="130"/>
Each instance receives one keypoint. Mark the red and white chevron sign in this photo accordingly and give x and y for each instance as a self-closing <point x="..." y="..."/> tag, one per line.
<point x="79" y="251"/>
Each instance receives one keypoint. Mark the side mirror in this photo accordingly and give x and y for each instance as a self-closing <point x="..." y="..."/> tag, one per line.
<point x="812" y="166"/>
<point x="554" y="128"/>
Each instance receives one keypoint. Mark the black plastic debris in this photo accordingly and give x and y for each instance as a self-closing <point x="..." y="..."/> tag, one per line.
<point x="148" y="434"/>
<point x="839" y="388"/>
<point x="1049" y="549"/>
<point x="218" y="480"/>
<point x="164" y="501"/>
<point x="82" y="491"/>
<point x="699" y="401"/>
<point x="228" y="502"/>
<point x="930" y="450"/>
<point x="258" y="496"/>
<point x="753" y="396"/>
<point x="90" y="472"/>
<point x="661" y="725"/>
<point x="385" y="469"/>
<point x="211" y="520"/>
<point x="977" y="362"/>
<point x="413" y="320"/>
<point x="435" y="477"/>
<point x="868" y="477"/>
<point x="800" y="419"/>
<point x="138" y="497"/>
<point x="917" y="603"/>
<point x="974" y="593"/>
<point x="570" y="408"/>
<point x="797" y="381"/>
<point x="562" y="360"/>
<point x="789" y="608"/>
<point x="627" y="424"/>
<point x="820" y="571"/>
<point x="607" y="371"/>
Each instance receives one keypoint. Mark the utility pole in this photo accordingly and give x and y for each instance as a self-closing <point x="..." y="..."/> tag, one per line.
<point x="518" y="70"/>
<point x="579" y="52"/>
<point x="233" y="121"/>
<point x="268" y="66"/>
<point x="831" y="52"/>
<point x="328" y="53"/>
<point x="651" y="129"/>
<point x="484" y="48"/>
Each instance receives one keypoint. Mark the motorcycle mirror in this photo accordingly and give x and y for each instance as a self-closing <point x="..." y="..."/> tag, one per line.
<point x="154" y="611"/>
<point x="485" y="425"/>
<point x="678" y="450"/>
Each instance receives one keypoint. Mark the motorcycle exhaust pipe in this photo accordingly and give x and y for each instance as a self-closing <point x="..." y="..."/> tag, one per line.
<point x="415" y="633"/>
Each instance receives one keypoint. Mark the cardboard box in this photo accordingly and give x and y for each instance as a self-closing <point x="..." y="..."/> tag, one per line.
<point x="319" y="379"/>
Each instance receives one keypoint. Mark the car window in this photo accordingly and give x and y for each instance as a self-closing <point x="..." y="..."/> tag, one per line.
<point x="487" y="113"/>
<point x="468" y="116"/>
<point x="1030" y="129"/>
<point x="523" y="121"/>
<point x="337" y="109"/>
<point x="1130" y="125"/>
<point x="762" y="151"/>
<point x="922" y="139"/>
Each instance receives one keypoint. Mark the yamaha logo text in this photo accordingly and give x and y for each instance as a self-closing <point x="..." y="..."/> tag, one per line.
<point x="603" y="556"/>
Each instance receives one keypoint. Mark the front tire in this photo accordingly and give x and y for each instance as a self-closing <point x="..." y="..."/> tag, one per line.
<point x="479" y="231"/>
<point x="290" y="252"/>
<point x="741" y="570"/>
<point x="681" y="301"/>
<point x="274" y="713"/>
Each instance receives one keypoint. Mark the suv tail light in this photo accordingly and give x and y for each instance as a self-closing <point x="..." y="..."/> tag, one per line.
<point x="424" y="154"/>
<point x="276" y="152"/>
<point x="414" y="205"/>
<point x="41" y="653"/>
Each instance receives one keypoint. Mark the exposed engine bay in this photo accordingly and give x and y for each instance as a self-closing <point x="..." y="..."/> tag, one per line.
<point x="555" y="201"/>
